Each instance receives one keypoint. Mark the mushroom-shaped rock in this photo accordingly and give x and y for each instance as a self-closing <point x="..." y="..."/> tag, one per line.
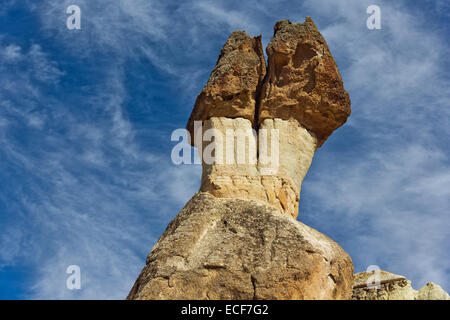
<point x="237" y="238"/>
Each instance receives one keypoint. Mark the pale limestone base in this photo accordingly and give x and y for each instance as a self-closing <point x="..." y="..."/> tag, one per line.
<point x="268" y="166"/>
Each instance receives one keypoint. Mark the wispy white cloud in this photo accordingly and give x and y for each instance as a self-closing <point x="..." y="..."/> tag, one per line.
<point x="91" y="196"/>
<point x="94" y="196"/>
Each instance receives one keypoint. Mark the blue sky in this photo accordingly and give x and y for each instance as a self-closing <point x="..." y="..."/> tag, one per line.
<point x="86" y="117"/>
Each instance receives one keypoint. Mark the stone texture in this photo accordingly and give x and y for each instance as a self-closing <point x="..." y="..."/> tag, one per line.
<point x="303" y="81"/>
<point x="392" y="287"/>
<point x="242" y="249"/>
<point x="277" y="181"/>
<point x="234" y="83"/>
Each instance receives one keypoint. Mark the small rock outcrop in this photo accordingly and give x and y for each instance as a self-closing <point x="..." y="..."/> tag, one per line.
<point x="432" y="291"/>
<point x="382" y="285"/>
<point x="256" y="134"/>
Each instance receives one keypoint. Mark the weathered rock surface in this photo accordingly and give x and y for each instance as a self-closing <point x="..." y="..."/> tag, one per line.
<point x="231" y="90"/>
<point x="382" y="285"/>
<point x="242" y="249"/>
<point x="303" y="81"/>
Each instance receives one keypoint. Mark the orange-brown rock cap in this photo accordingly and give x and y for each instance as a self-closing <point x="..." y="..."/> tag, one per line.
<point x="231" y="90"/>
<point x="303" y="81"/>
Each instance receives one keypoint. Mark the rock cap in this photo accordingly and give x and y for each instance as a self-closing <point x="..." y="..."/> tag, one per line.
<point x="303" y="81"/>
<point x="234" y="83"/>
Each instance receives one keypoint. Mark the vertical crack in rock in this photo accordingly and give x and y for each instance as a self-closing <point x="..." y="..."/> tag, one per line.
<point x="261" y="79"/>
<point x="253" y="280"/>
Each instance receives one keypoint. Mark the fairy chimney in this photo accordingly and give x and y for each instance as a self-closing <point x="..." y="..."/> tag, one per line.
<point x="256" y="133"/>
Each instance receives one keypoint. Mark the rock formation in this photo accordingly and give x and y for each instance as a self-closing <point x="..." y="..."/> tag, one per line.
<point x="256" y="134"/>
<point x="389" y="286"/>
